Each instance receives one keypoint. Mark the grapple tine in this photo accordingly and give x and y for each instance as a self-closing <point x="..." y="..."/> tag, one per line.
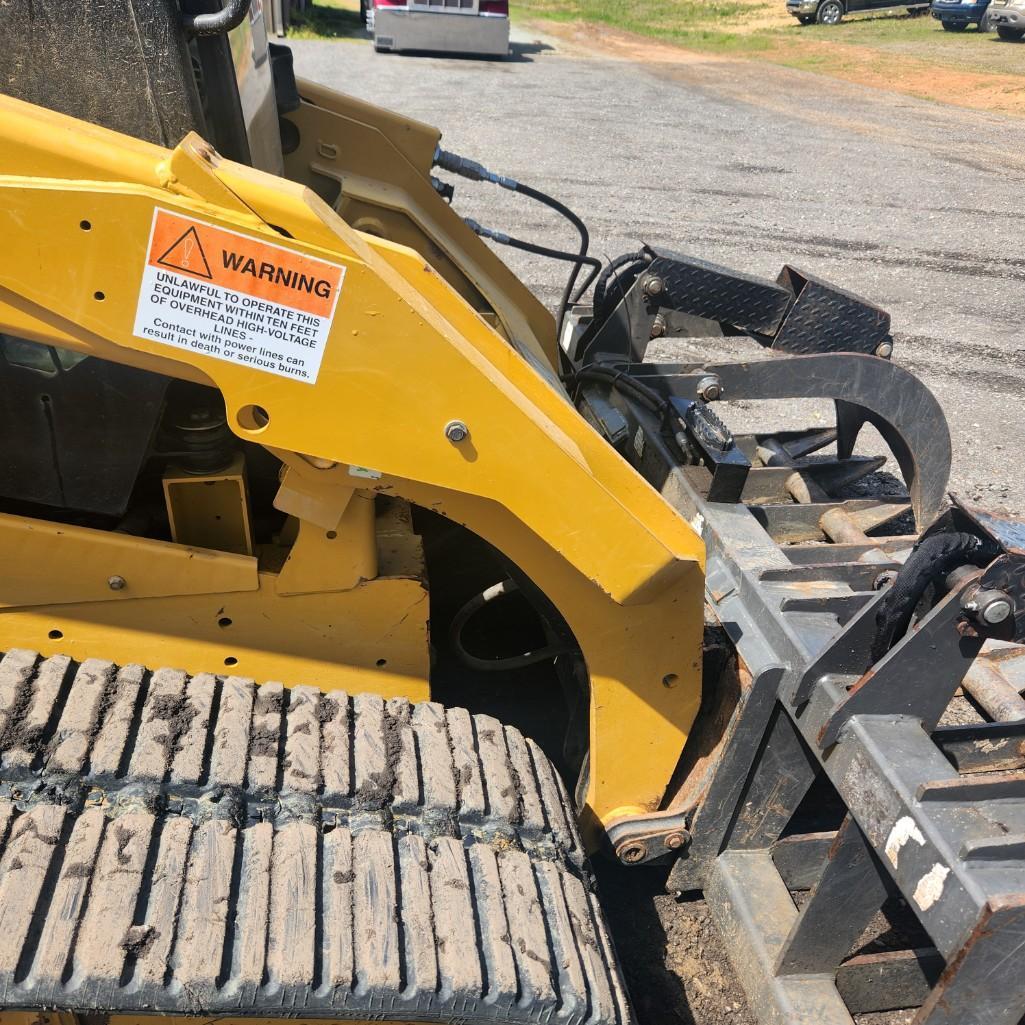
<point x="896" y="403"/>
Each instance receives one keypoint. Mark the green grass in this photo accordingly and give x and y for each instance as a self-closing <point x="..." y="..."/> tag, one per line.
<point x="327" y="19"/>
<point x="764" y="29"/>
<point x="663" y="19"/>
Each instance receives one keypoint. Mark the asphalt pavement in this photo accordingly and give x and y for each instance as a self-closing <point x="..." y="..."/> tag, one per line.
<point x="916" y="205"/>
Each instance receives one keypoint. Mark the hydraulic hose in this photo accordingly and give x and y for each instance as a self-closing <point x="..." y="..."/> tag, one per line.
<point x="585" y="242"/>
<point x="612" y="270"/>
<point x="621" y="380"/>
<point x="530" y="247"/>
<point x="475" y="171"/>
<point x="217" y="22"/>
<point x="929" y="562"/>
<point x="471" y="608"/>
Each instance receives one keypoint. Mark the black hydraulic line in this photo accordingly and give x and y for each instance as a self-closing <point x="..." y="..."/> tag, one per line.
<point x="216" y="23"/>
<point x="475" y="171"/>
<point x="613" y="268"/>
<point x="529" y="247"/>
<point x="585" y="242"/>
<point x="621" y="380"/>
<point x="490" y="665"/>
<point x="585" y="285"/>
<point x="931" y="560"/>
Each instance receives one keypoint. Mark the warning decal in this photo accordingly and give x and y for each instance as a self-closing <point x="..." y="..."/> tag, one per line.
<point x="235" y="297"/>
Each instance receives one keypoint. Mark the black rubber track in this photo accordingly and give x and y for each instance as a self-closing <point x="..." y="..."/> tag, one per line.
<point x="200" y="845"/>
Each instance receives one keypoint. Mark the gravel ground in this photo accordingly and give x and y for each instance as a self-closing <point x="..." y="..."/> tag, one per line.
<point x="918" y="206"/>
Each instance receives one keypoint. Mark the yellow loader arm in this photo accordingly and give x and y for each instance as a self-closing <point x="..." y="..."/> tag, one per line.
<point x="415" y="396"/>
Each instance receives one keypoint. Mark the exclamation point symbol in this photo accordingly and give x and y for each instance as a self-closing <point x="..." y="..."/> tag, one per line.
<point x="186" y="254"/>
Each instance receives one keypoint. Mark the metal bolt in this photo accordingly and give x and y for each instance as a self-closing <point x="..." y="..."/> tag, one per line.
<point x="674" y="841"/>
<point x="885" y="349"/>
<point x="658" y="327"/>
<point x="653" y="286"/>
<point x="631" y="853"/>
<point x="116" y="583"/>
<point x="709" y="388"/>
<point x="456" y="431"/>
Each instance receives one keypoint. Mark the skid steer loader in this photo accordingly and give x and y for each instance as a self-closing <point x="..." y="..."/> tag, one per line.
<point x="351" y="602"/>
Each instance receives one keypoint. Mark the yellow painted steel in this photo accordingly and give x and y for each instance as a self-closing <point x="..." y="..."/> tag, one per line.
<point x="373" y="166"/>
<point x="38" y="1018"/>
<point x="210" y="510"/>
<point x="406" y="355"/>
<point x="330" y="611"/>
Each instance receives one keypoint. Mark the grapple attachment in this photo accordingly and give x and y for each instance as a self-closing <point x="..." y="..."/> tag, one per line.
<point x="863" y="736"/>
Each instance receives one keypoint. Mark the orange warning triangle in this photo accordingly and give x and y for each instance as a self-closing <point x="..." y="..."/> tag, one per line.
<point x="187" y="254"/>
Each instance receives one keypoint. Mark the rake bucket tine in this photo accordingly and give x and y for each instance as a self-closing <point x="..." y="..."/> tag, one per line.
<point x="849" y="421"/>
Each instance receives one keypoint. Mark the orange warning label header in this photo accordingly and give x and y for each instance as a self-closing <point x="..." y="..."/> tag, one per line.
<point x="244" y="264"/>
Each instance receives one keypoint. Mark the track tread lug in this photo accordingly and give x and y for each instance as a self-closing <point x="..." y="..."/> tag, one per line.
<point x="234" y="849"/>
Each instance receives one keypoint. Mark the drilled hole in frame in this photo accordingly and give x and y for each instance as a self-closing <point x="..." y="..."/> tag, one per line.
<point x="253" y="418"/>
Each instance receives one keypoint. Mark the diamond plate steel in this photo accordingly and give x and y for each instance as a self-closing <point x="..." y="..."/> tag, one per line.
<point x="825" y="318"/>
<point x="706" y="290"/>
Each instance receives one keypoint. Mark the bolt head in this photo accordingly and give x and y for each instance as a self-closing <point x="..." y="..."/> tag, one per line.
<point x="653" y="286"/>
<point x="710" y="389"/>
<point x="884" y="349"/>
<point x="456" y="431"/>
<point x="674" y="841"/>
<point x="116" y="583"/>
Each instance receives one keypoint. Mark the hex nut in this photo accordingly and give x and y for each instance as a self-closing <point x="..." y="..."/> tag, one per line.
<point x="884" y="579"/>
<point x="885" y="349"/>
<point x="653" y="285"/>
<point x="456" y="431"/>
<point x="674" y="841"/>
<point x="116" y="583"/>
<point x="630" y="853"/>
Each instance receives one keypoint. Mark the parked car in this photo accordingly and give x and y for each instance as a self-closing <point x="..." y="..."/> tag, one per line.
<point x="440" y="26"/>
<point x="831" y="12"/>
<point x="1008" y="18"/>
<point x="956" y="16"/>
